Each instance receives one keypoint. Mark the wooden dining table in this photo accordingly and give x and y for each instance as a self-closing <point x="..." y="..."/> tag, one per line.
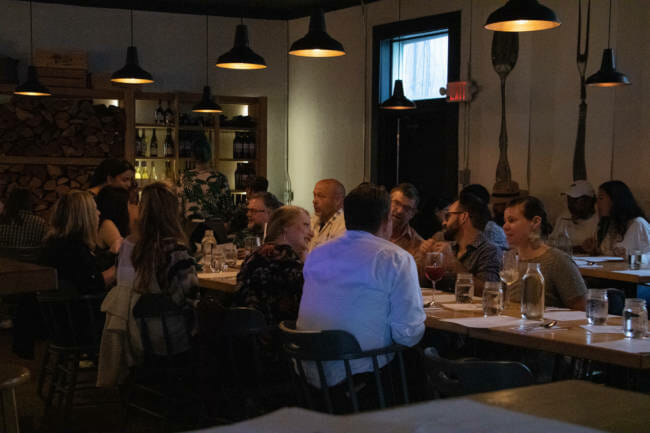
<point x="223" y="282"/>
<point x="566" y="337"/>
<point x="617" y="271"/>
<point x="20" y="277"/>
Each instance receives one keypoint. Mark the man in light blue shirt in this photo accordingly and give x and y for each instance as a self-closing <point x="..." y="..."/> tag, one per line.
<point x="363" y="284"/>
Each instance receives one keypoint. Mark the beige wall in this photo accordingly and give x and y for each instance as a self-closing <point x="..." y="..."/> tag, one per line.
<point x="170" y="46"/>
<point x="326" y="115"/>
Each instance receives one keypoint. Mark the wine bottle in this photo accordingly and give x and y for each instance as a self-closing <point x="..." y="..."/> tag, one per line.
<point x="235" y="146"/>
<point x="144" y="144"/>
<point x="144" y="174"/>
<point x="169" y="144"/>
<point x="138" y="143"/>
<point x="153" y="145"/>
<point x="159" y="114"/>
<point x="169" y="115"/>
<point x="244" y="146"/>
<point x="154" y="173"/>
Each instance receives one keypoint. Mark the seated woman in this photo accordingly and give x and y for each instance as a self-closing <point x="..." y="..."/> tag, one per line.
<point x="19" y="227"/>
<point x="114" y="223"/>
<point x="622" y="227"/>
<point x="271" y="278"/>
<point x="71" y="241"/>
<point x="114" y="172"/>
<point x="526" y="227"/>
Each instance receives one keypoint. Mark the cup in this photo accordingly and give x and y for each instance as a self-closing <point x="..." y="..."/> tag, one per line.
<point x="492" y="299"/>
<point x="635" y="318"/>
<point x="464" y="288"/>
<point x="229" y="254"/>
<point x="597" y="306"/>
<point x="635" y="259"/>
<point x="218" y="261"/>
<point x="251" y="243"/>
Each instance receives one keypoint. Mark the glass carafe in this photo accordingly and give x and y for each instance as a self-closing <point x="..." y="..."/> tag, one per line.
<point x="532" y="293"/>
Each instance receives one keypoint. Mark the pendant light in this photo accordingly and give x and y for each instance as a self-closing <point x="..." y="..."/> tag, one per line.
<point x="608" y="76"/>
<point x="31" y="87"/>
<point x="398" y="101"/>
<point x="522" y="16"/>
<point x="206" y="105"/>
<point x="317" y="43"/>
<point x="132" y="73"/>
<point x="241" y="56"/>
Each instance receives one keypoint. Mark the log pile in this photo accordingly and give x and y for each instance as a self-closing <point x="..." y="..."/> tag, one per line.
<point x="61" y="127"/>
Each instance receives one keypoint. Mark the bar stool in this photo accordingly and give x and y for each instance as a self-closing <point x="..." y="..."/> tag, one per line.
<point x="11" y="375"/>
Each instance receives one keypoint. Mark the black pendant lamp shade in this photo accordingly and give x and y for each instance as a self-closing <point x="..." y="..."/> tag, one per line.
<point x="132" y="73"/>
<point x="31" y="87"/>
<point x="317" y="43"/>
<point x="522" y="16"/>
<point x="241" y="56"/>
<point x="608" y="76"/>
<point x="398" y="101"/>
<point x="207" y="105"/>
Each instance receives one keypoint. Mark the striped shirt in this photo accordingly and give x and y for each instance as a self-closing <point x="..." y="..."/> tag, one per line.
<point x="28" y="232"/>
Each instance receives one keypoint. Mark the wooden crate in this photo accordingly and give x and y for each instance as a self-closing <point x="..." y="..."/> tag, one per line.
<point x="61" y="59"/>
<point x="60" y="77"/>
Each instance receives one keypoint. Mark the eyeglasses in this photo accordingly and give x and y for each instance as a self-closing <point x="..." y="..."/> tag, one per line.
<point x="406" y="207"/>
<point x="450" y="213"/>
<point x="251" y="210"/>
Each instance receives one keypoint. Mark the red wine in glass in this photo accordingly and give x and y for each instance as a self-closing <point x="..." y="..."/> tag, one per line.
<point x="434" y="273"/>
<point x="433" y="267"/>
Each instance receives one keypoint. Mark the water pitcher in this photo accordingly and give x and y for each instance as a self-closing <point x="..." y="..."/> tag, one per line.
<point x="532" y="293"/>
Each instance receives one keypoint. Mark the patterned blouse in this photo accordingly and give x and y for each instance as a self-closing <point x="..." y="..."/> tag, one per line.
<point x="206" y="192"/>
<point x="28" y="233"/>
<point x="271" y="281"/>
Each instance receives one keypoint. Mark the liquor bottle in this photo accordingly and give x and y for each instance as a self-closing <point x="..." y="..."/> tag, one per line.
<point x="153" y="145"/>
<point x="137" y="171"/>
<point x="236" y="146"/>
<point x="138" y="143"/>
<point x="144" y="174"/>
<point x="169" y="144"/>
<point x="143" y="144"/>
<point x="169" y="115"/>
<point x="153" y="175"/>
<point x="532" y="293"/>
<point x="159" y="114"/>
<point x="169" y="173"/>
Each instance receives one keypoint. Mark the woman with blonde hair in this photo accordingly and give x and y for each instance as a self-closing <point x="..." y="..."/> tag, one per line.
<point x="70" y="243"/>
<point x="271" y="279"/>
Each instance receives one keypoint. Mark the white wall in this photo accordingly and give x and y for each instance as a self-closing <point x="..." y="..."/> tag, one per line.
<point x="326" y="115"/>
<point x="170" y="46"/>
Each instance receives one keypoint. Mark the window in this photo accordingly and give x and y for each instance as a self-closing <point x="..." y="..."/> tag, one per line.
<point x="420" y="60"/>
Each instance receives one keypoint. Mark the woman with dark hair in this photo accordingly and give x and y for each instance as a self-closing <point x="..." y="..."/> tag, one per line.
<point x="623" y="226"/>
<point x="114" y="223"/>
<point x="527" y="227"/>
<point x="114" y="172"/>
<point x="271" y="279"/>
<point x="19" y="227"/>
<point x="205" y="192"/>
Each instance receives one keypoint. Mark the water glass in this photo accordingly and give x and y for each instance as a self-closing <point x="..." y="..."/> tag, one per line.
<point x="230" y="254"/>
<point x="635" y="259"/>
<point x="218" y="261"/>
<point x="635" y="318"/>
<point x="492" y="299"/>
<point x="464" y="288"/>
<point x="251" y="243"/>
<point x="597" y="306"/>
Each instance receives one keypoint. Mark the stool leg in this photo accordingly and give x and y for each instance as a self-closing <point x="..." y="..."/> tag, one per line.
<point x="10" y="411"/>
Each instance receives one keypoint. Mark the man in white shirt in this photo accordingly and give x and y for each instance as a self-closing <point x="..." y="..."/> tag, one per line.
<point x="581" y="221"/>
<point x="362" y="283"/>
<point x="327" y="222"/>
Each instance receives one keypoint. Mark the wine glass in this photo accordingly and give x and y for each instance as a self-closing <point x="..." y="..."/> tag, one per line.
<point x="509" y="273"/>
<point x="434" y="267"/>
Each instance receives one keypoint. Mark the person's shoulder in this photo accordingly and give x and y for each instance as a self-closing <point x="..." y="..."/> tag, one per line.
<point x="555" y="255"/>
<point x="639" y="223"/>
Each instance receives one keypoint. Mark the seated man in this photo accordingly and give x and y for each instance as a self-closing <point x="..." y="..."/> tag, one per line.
<point x="493" y="232"/>
<point x="471" y="253"/>
<point x="239" y="220"/>
<point x="404" y="199"/>
<point x="363" y="284"/>
<point x="258" y="212"/>
<point x="581" y="221"/>
<point x="327" y="222"/>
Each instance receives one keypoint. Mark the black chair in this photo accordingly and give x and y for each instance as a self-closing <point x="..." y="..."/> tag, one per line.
<point x="164" y="384"/>
<point x="616" y="301"/>
<point x="447" y="378"/>
<point x="335" y="345"/>
<point x="74" y="324"/>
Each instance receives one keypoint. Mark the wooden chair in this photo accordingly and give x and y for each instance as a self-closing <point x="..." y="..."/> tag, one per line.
<point x="11" y="376"/>
<point x="22" y="254"/>
<point x="319" y="347"/>
<point x="447" y="378"/>
<point x="74" y="323"/>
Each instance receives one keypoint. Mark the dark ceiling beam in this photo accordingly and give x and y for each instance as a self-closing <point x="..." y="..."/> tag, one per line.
<point x="262" y="9"/>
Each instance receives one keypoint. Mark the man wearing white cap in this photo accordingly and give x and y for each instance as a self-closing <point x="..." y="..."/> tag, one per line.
<point x="581" y="222"/>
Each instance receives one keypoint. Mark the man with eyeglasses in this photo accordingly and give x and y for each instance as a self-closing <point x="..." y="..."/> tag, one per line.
<point x="258" y="211"/>
<point x="465" y="248"/>
<point x="404" y="200"/>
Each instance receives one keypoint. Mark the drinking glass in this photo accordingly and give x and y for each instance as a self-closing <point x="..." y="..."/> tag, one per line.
<point x="434" y="267"/>
<point x="464" y="288"/>
<point x="635" y="259"/>
<point x="492" y="299"/>
<point x="251" y="243"/>
<point x="218" y="260"/>
<point x="597" y="306"/>
<point x="229" y="254"/>
<point x="635" y="318"/>
<point x="509" y="273"/>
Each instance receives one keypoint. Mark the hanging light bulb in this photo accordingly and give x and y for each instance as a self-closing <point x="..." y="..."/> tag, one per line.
<point x="31" y="87"/>
<point x="317" y="43"/>
<point x="241" y="56"/>
<point x="132" y="73"/>
<point x="607" y="75"/>
<point x="522" y="16"/>
<point x="206" y="105"/>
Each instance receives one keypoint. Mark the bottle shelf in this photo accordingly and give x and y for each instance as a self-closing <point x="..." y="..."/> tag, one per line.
<point x="237" y="128"/>
<point x="244" y="160"/>
<point x="196" y="128"/>
<point x="160" y="158"/>
<point x="152" y="126"/>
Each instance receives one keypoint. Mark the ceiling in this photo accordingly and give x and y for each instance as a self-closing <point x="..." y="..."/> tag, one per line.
<point x="269" y="9"/>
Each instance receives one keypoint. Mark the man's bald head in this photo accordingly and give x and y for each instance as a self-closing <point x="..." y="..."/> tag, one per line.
<point x="328" y="198"/>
